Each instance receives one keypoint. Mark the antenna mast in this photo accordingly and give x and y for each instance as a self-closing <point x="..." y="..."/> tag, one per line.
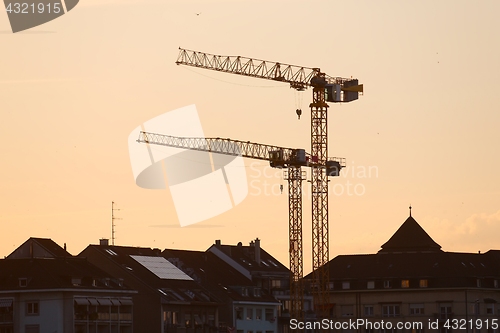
<point x="113" y="218"/>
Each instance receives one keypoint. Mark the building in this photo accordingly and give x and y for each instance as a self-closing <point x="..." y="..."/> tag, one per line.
<point x="167" y="299"/>
<point x="43" y="288"/>
<point x="411" y="280"/>
<point x="264" y="271"/>
<point x="245" y="307"/>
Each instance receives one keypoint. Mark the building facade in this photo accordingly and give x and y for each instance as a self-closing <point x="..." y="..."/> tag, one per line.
<point x="414" y="286"/>
<point x="45" y="289"/>
<point x="167" y="299"/>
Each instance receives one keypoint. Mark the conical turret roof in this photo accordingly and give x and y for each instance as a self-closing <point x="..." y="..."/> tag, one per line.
<point x="410" y="237"/>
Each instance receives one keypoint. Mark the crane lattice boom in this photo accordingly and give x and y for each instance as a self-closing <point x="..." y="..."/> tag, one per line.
<point x="278" y="156"/>
<point x="298" y="77"/>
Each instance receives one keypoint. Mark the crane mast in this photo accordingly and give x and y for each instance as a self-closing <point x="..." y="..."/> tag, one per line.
<point x="325" y="89"/>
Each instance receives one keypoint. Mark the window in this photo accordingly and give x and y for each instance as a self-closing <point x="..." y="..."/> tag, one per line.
<point x="111" y="252"/>
<point x="391" y="310"/>
<point x="256" y="292"/>
<point x="478" y="283"/>
<point x="275" y="283"/>
<point x="347" y="310"/>
<point x="346" y="285"/>
<point x="239" y="313"/>
<point x="272" y="263"/>
<point x="423" y="283"/>
<point x="495" y="283"/>
<point x="269" y="314"/>
<point x="405" y="283"/>
<point x="490" y="308"/>
<point x="249" y="314"/>
<point x="32" y="308"/>
<point x="370" y="285"/>
<point x="187" y="320"/>
<point x="387" y="284"/>
<point x="368" y="310"/>
<point x="445" y="310"/>
<point x="258" y="314"/>
<point x="76" y="281"/>
<point x="416" y="309"/>
<point x="6" y="313"/>
<point x="23" y="282"/>
<point x="244" y="292"/>
<point x="330" y="285"/>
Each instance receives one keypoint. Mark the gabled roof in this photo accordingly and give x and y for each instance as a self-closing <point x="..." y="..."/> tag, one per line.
<point x="39" y="248"/>
<point x="410" y="237"/>
<point x="54" y="273"/>
<point x="128" y="259"/>
<point x="245" y="257"/>
<point x="216" y="275"/>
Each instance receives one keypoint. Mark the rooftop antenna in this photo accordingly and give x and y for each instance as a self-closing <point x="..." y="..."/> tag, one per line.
<point x="410" y="210"/>
<point x="113" y="218"/>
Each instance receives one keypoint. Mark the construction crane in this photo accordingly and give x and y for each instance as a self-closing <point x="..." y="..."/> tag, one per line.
<point x="325" y="89"/>
<point x="279" y="157"/>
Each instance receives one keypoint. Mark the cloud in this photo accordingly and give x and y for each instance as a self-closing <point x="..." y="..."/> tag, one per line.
<point x="479" y="232"/>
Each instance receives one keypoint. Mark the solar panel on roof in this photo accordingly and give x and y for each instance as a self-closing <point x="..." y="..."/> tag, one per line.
<point x="161" y="267"/>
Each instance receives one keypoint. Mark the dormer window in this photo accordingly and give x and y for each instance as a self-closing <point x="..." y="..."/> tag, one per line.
<point x="256" y="292"/>
<point x="23" y="282"/>
<point x="76" y="281"/>
<point x="244" y="292"/>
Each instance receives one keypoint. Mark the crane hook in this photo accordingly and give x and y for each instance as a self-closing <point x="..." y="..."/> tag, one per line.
<point x="299" y="112"/>
<point x="281" y="188"/>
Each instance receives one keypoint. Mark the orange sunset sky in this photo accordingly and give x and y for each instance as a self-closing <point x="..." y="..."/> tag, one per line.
<point x="427" y="127"/>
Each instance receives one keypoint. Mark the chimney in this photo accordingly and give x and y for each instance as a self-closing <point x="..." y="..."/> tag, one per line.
<point x="257" y="250"/>
<point x="64" y="246"/>
<point x="217" y="243"/>
<point x="104" y="242"/>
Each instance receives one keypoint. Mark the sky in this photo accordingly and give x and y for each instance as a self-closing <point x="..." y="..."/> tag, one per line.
<point x="424" y="133"/>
